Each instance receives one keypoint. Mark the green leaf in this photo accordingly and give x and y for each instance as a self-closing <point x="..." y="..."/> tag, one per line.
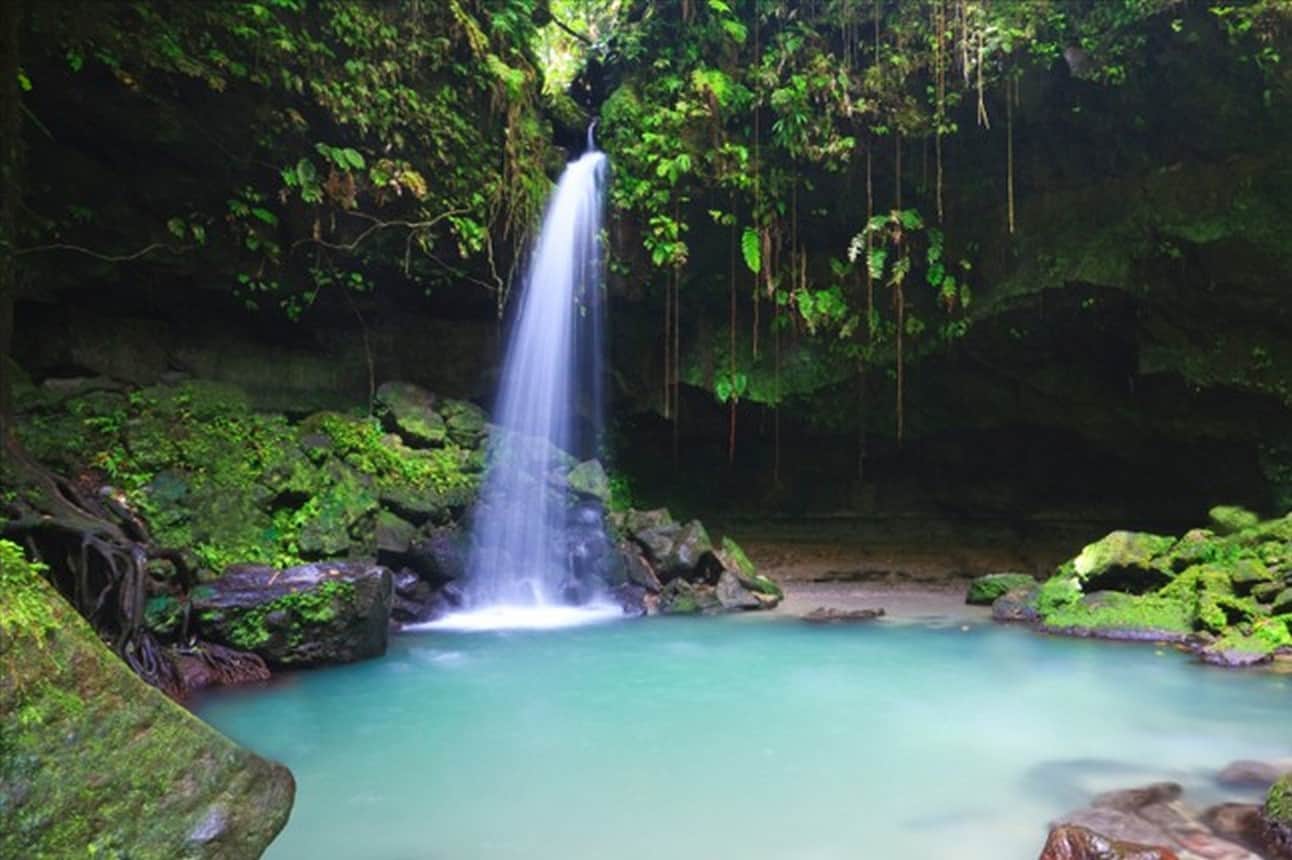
<point x="176" y="227"/>
<point x="352" y="158"/>
<point x="751" y="250"/>
<point x="265" y="215"/>
<point x="305" y="172"/>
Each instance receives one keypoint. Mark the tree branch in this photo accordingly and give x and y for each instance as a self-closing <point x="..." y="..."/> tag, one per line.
<point x="109" y="258"/>
<point x="377" y="224"/>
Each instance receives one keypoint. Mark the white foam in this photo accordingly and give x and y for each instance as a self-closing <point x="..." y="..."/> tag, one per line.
<point x="522" y="618"/>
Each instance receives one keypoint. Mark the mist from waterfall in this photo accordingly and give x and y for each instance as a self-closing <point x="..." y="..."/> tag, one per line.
<point x="549" y="410"/>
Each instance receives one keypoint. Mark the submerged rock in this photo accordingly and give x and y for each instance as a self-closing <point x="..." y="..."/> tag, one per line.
<point x="327" y="612"/>
<point x="985" y="590"/>
<point x="1132" y="799"/>
<point x="832" y="615"/>
<point x="1074" y="842"/>
<point x="1254" y="774"/>
<point x="95" y="762"/>
<point x="1239" y="823"/>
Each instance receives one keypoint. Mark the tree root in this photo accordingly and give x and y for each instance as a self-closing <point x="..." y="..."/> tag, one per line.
<point x="98" y="551"/>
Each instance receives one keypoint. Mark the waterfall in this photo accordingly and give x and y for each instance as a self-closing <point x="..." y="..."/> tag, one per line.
<point x="549" y="408"/>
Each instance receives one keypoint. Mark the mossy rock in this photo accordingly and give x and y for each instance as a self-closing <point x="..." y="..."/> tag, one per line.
<point x="589" y="479"/>
<point x="986" y="590"/>
<point x="314" y="614"/>
<point x="1113" y="615"/>
<point x="1124" y="561"/>
<point x="410" y="411"/>
<point x="1231" y="519"/>
<point x="1276" y="816"/>
<point x="93" y="762"/>
<point x="467" y="423"/>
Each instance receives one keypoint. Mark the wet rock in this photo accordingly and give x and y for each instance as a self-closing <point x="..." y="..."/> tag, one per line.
<point x="1018" y="605"/>
<point x="210" y="828"/>
<point x="985" y="590"/>
<point x="1132" y="799"/>
<point x="412" y="600"/>
<point x="635" y="600"/>
<point x="734" y="596"/>
<point x="831" y="615"/>
<point x="1254" y="774"/>
<point x="590" y="480"/>
<point x="1073" y="842"/>
<point x="1239" y="823"/>
<point x="1117" y="825"/>
<point x="679" y="597"/>
<point x="1282" y="602"/>
<point x="637" y="569"/>
<point x="440" y="556"/>
<point x="312" y="614"/>
<point x="678" y="551"/>
<point x="409" y="410"/>
<point x="1233" y="658"/>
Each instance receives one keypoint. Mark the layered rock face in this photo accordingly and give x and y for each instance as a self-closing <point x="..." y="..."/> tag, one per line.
<point x="93" y="762"/>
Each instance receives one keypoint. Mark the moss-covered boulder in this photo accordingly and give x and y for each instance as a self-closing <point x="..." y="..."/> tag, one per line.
<point x="409" y="410"/>
<point x="1277" y="815"/>
<point x="1221" y="594"/>
<point x="466" y="423"/>
<point x="589" y="479"/>
<point x="313" y="614"/>
<point x="1124" y="561"/>
<point x="1231" y="519"/>
<point x="985" y="590"/>
<point x="95" y="763"/>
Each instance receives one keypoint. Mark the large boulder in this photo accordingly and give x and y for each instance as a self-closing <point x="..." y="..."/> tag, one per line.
<point x="1124" y="561"/>
<point x="93" y="762"/>
<point x="467" y="423"/>
<point x="410" y="411"/>
<point x="1017" y="605"/>
<point x="441" y="555"/>
<point x="984" y="590"/>
<point x="312" y="614"/>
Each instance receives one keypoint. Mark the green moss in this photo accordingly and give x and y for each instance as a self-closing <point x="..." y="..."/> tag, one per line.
<point x="1230" y="519"/>
<point x="1278" y="803"/>
<point x="984" y="590"/>
<point x="95" y="763"/>
<point x="1057" y="592"/>
<point x="293" y="613"/>
<point x="1116" y="611"/>
<point x="24" y="609"/>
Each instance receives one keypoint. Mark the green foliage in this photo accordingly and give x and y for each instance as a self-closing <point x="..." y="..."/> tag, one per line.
<point x="24" y="606"/>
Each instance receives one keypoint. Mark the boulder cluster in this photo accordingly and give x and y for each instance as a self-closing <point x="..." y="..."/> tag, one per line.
<point x="1224" y="592"/>
<point x="1155" y="822"/>
<point x="312" y="536"/>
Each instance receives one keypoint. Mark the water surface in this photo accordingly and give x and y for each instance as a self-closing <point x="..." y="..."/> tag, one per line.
<point x="737" y="737"/>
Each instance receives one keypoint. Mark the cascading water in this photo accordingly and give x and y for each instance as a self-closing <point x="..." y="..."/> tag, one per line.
<point x="549" y="410"/>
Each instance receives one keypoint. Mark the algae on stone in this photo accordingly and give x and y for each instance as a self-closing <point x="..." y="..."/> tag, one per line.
<point x="94" y="762"/>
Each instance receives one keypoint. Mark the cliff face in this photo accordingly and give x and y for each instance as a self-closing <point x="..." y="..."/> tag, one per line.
<point x="92" y="759"/>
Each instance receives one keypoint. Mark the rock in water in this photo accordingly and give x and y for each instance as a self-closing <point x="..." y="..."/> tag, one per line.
<point x="984" y="590"/>
<point x="1016" y="605"/>
<point x="1072" y="842"/>
<point x="312" y="614"/>
<point x="93" y="762"/>
<point x="830" y="615"/>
